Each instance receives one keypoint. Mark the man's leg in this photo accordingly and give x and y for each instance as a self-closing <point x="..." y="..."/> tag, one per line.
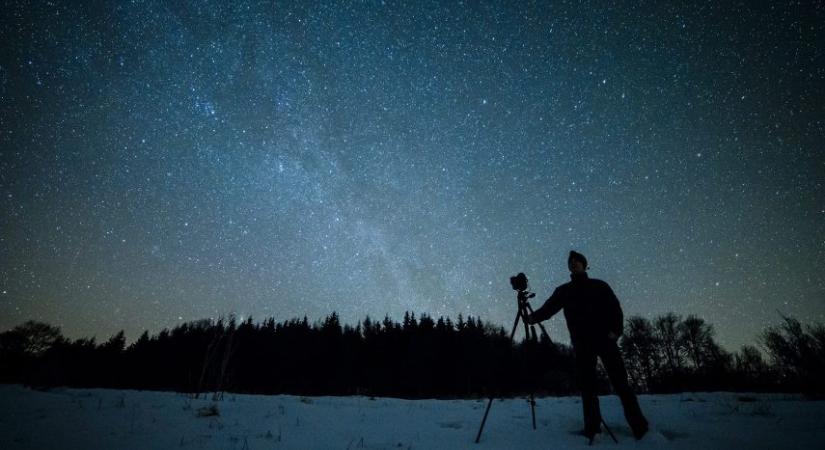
<point x="613" y="364"/>
<point x="586" y="375"/>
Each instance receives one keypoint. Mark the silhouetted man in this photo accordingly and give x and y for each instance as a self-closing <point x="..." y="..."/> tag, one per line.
<point x="595" y="321"/>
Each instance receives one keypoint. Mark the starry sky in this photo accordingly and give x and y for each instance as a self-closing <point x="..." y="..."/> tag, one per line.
<point x="162" y="162"/>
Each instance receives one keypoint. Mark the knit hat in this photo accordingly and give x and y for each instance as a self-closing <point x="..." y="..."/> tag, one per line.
<point x="574" y="255"/>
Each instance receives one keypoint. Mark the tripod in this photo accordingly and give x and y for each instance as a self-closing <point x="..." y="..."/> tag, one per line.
<point x="524" y="309"/>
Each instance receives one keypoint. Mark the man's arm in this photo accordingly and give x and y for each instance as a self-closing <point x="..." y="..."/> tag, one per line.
<point x="550" y="307"/>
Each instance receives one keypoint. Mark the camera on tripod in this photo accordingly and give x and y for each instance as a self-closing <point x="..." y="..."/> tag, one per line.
<point x="519" y="283"/>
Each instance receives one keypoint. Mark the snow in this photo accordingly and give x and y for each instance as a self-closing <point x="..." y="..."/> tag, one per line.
<point x="120" y="419"/>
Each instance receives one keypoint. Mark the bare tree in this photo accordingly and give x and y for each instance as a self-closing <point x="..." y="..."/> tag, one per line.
<point x="696" y="340"/>
<point x="799" y="353"/>
<point x="640" y="347"/>
<point x="667" y="333"/>
<point x="31" y="337"/>
<point x="749" y="362"/>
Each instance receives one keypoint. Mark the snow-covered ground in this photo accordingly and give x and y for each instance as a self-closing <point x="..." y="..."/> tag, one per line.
<point x="112" y="419"/>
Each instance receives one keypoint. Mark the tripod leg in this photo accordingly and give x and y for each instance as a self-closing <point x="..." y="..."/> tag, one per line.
<point x="515" y="325"/>
<point x="523" y="313"/>
<point x="490" y="403"/>
<point x="527" y="329"/>
<point x="544" y="331"/>
<point x="609" y="432"/>
<point x="484" y="420"/>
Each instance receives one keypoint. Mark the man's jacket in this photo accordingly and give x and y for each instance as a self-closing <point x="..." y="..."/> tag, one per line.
<point x="591" y="309"/>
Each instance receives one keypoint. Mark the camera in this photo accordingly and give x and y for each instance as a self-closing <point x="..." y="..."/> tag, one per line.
<point x="519" y="282"/>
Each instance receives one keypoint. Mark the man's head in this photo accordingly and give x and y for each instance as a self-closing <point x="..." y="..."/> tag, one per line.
<point x="576" y="262"/>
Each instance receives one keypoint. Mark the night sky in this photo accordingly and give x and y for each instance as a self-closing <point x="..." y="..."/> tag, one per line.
<point x="163" y="162"/>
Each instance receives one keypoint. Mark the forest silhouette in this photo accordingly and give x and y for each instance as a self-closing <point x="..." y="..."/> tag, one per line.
<point x="420" y="357"/>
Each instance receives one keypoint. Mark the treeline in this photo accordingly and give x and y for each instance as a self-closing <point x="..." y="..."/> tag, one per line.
<point x="419" y="357"/>
<point x="671" y="354"/>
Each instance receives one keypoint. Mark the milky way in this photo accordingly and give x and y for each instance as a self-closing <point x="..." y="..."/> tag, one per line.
<point x="170" y="161"/>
